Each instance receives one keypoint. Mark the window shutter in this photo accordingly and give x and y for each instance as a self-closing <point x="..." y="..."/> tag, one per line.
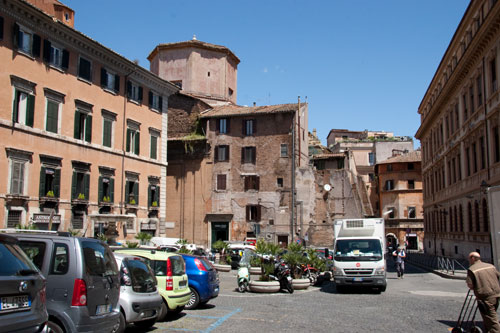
<point x="30" y="110"/>
<point x="37" y="44"/>
<point x="247" y="213"/>
<point x="257" y="183"/>
<point x="15" y="106"/>
<point x="150" y="98"/>
<point x="217" y="126"/>
<point x="86" y="184"/>
<point x="153" y="147"/>
<point x="15" y="35"/>
<point x="228" y="128"/>
<point x="150" y="197"/>
<point x="129" y="89"/>
<point x="104" y="77"/>
<point x="99" y="190"/>
<point x="243" y="127"/>
<point x="227" y="153"/>
<point x="140" y="94"/>
<point x="127" y="193"/>
<point x="88" y="128"/>
<point x="52" y="115"/>
<point x="242" y="155"/>
<point x="136" y="192"/>
<point x="76" y="133"/>
<point x="21" y="177"/>
<point x="129" y="134"/>
<point x="1" y="27"/>
<point x="111" y="190"/>
<point x="247" y="180"/>
<point x="46" y="50"/>
<point x="74" y="195"/>
<point x="14" y="179"/>
<point x="57" y="182"/>
<point x="117" y="83"/>
<point x="65" y="60"/>
<point x="258" y="213"/>
<point x="137" y="143"/>
<point x="157" y="196"/>
<point x="107" y="133"/>
<point x="254" y="154"/>
<point x="160" y="103"/>
<point x="216" y="154"/>
<point x="42" y="192"/>
<point x="254" y="127"/>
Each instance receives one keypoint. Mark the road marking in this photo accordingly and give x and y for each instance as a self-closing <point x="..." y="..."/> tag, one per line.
<point x="246" y="295"/>
<point x="437" y="293"/>
<point x="220" y="321"/>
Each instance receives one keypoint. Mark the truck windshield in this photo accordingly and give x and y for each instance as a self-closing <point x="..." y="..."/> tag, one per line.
<point x="358" y="249"/>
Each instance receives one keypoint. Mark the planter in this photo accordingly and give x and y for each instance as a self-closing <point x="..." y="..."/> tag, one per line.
<point x="264" y="286"/>
<point x="255" y="270"/>
<point x="222" y="268"/>
<point x="299" y="284"/>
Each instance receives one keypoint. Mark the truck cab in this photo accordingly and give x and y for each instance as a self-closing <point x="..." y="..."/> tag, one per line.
<point x="359" y="250"/>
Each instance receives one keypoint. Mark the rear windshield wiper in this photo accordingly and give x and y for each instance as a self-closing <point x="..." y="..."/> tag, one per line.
<point x="24" y="272"/>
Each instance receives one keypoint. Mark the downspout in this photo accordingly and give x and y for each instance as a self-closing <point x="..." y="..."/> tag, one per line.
<point x="292" y="206"/>
<point x="298" y="134"/>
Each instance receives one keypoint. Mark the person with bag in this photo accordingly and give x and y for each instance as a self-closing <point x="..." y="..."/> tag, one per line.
<point x="482" y="278"/>
<point x="399" y="256"/>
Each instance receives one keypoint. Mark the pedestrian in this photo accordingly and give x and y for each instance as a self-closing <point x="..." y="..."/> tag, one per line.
<point x="483" y="279"/>
<point x="399" y="256"/>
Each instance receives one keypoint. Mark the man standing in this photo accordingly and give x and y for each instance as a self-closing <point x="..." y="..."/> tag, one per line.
<point x="400" y="256"/>
<point x="483" y="279"/>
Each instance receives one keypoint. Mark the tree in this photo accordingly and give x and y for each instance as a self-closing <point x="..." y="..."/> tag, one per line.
<point x="143" y="237"/>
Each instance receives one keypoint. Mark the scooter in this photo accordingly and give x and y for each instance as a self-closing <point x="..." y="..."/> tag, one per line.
<point x="243" y="271"/>
<point x="283" y="274"/>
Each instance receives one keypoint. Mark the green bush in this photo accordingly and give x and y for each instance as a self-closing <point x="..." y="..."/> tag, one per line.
<point x="143" y="237"/>
<point x="132" y="245"/>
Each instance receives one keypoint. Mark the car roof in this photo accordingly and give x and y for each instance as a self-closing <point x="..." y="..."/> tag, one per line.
<point x="4" y="238"/>
<point x="148" y="253"/>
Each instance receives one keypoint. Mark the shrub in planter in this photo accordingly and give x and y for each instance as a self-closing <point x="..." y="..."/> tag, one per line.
<point x="222" y="248"/>
<point x="294" y="257"/>
<point x="143" y="237"/>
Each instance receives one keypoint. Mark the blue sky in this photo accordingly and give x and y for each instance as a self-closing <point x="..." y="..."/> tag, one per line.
<point x="363" y="64"/>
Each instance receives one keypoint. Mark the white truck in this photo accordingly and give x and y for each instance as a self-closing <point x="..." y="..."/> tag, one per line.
<point x="359" y="249"/>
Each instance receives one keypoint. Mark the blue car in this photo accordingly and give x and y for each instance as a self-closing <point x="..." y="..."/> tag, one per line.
<point x="202" y="278"/>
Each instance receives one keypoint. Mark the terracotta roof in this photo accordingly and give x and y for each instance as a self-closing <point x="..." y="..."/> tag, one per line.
<point x="193" y="43"/>
<point x="414" y="156"/>
<point x="237" y="110"/>
<point x="326" y="156"/>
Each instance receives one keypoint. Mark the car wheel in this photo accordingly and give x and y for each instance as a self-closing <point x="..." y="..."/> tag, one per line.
<point x="122" y="325"/>
<point x="194" y="300"/>
<point x="163" y="312"/>
<point x="178" y="310"/>
<point x="145" y="323"/>
<point x="242" y="286"/>
<point x="54" y="328"/>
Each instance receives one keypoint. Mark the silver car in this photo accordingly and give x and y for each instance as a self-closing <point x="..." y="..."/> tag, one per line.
<point x="139" y="298"/>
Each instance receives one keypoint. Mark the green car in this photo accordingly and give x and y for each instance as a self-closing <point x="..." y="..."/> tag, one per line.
<point x="170" y="271"/>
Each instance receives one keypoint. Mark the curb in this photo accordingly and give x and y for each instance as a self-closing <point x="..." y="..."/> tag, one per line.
<point x="441" y="274"/>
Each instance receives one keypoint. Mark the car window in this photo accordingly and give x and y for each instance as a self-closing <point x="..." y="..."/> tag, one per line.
<point x="14" y="261"/>
<point x="160" y="267"/>
<point x="206" y="263"/>
<point x="177" y="265"/>
<point x="141" y="275"/>
<point x="60" y="259"/>
<point x="98" y="259"/>
<point x="35" y="251"/>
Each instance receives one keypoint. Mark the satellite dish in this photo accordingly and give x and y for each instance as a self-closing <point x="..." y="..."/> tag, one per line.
<point x="327" y="187"/>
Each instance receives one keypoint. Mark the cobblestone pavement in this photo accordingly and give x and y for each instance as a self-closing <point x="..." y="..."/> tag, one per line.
<point x="421" y="302"/>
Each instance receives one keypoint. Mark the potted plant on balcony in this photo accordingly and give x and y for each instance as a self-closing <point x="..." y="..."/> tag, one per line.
<point x="224" y="264"/>
<point x="50" y="194"/>
<point x="154" y="204"/>
<point x="81" y="196"/>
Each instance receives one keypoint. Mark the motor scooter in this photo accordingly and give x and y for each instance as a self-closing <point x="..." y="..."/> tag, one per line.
<point x="283" y="274"/>
<point x="243" y="271"/>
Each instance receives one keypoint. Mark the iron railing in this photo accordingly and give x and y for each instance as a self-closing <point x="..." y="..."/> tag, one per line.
<point x="438" y="263"/>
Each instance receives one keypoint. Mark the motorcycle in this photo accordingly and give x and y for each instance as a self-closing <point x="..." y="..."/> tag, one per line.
<point x="283" y="274"/>
<point x="309" y="272"/>
<point x="243" y="271"/>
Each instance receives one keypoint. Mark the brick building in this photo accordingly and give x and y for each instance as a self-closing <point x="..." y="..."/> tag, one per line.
<point x="84" y="130"/>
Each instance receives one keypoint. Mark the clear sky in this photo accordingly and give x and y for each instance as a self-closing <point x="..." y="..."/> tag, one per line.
<point x="362" y="64"/>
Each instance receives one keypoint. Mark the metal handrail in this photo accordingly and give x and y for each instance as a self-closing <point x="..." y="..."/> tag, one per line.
<point x="440" y="263"/>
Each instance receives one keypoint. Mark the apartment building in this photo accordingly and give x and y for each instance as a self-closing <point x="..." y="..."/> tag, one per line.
<point x="399" y="188"/>
<point x="84" y="130"/>
<point x="459" y="135"/>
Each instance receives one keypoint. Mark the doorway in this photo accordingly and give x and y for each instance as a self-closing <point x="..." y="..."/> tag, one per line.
<point x="220" y="231"/>
<point x="283" y="241"/>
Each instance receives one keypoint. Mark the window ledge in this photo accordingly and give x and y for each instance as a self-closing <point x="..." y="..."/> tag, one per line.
<point x="48" y="199"/>
<point x="134" y="101"/>
<point x="17" y="197"/>
<point x="105" y="204"/>
<point x="111" y="91"/>
<point x="154" y="208"/>
<point x="84" y="80"/>
<point x="59" y="69"/>
<point x="79" y="201"/>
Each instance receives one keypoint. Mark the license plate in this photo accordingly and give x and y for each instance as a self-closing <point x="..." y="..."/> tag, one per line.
<point x="182" y="284"/>
<point x="102" y="309"/>
<point x="14" y="302"/>
<point x="357" y="279"/>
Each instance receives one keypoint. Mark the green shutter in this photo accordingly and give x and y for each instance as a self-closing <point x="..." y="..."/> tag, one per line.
<point x="57" y="182"/>
<point x="52" y="115"/>
<point x="111" y="190"/>
<point x="104" y="77"/>
<point x="65" y="60"/>
<point x="36" y="46"/>
<point x="42" y="192"/>
<point x="15" y="106"/>
<point x="15" y="35"/>
<point x="86" y="185"/>
<point x="153" y="147"/>
<point x="106" y="141"/>
<point x="74" y="195"/>
<point x="117" y="83"/>
<point x="136" y="192"/>
<point x="46" y="50"/>
<point x="127" y="193"/>
<point x="88" y="128"/>
<point x="99" y="190"/>
<point x="150" y="197"/>
<point x="77" y="125"/>
<point x="129" y="133"/>
<point x="157" y="196"/>
<point x="30" y="110"/>
<point x="137" y="143"/>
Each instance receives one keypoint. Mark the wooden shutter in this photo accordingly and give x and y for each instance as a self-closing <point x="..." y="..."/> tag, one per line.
<point x="150" y="197"/>
<point x="243" y="127"/>
<point x="106" y="133"/>
<point x="57" y="182"/>
<point x="37" y="45"/>
<point x="30" y="110"/>
<point x="65" y="60"/>
<point x="137" y="142"/>
<point x="77" y="129"/>
<point x="111" y="187"/>
<point x="136" y="192"/>
<point x="242" y="155"/>
<point x="258" y="213"/>
<point x="153" y="147"/>
<point x="46" y="50"/>
<point x="15" y="107"/>
<point x="88" y="128"/>
<point x="217" y="125"/>
<point x="15" y="35"/>
<point x="150" y="98"/>
<point x="74" y="195"/>
<point x="247" y="213"/>
<point x="140" y="94"/>
<point x="216" y="154"/>
<point x="254" y="126"/>
<point x="157" y="196"/>
<point x="104" y="77"/>
<point x="86" y="185"/>
<point x="52" y="116"/>
<point x="160" y="102"/>
<point x="42" y="191"/>
<point x="254" y="154"/>
<point x="129" y="134"/>
<point x="117" y="83"/>
<point x="127" y="193"/>
<point x="247" y="183"/>
<point x="257" y="183"/>
<point x="227" y="153"/>
<point x="99" y="190"/>
<point x="1" y="27"/>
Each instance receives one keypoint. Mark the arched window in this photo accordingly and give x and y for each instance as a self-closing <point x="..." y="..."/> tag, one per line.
<point x="476" y="211"/>
<point x="485" y="216"/>
<point x="469" y="213"/>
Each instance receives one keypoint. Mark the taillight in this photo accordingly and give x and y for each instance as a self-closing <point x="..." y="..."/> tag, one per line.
<point x="200" y="265"/>
<point x="79" y="293"/>
<point x="170" y="276"/>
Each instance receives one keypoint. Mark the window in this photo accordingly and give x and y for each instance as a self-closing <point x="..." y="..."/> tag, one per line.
<point x="26" y="41"/>
<point x="106" y="189"/>
<point x="85" y="69"/>
<point x="411" y="184"/>
<point x="230" y="92"/>
<point x="493" y="75"/>
<point x="252" y="183"/>
<point x="389" y="185"/>
<point x="110" y="81"/>
<point x="154" y="147"/>
<point x="133" y="137"/>
<point x="23" y="107"/>
<point x="253" y="213"/>
<point x="83" y="125"/>
<point x="107" y="132"/>
<point x="55" y="56"/>
<point x="221" y="182"/>
<point x="371" y="176"/>
<point x="35" y="251"/>
<point x="17" y="176"/>
<point x="249" y="127"/>
<point x="464" y="101"/>
<point x="412" y="212"/>
<point x="221" y="153"/>
<point x="222" y="125"/>
<point x="371" y="158"/>
<point x="468" y="160"/>
<point x="389" y="167"/>
<point x="248" y="155"/>
<point x="482" y="152"/>
<point x="284" y="150"/>
<point x="52" y="116"/>
<point x="60" y="259"/>
<point x="279" y="182"/>
<point x="153" y="195"/>
<point x="391" y="212"/>
<point x="80" y="185"/>
<point x="411" y="166"/>
<point x="472" y="102"/>
<point x="474" y="157"/>
<point x="496" y="144"/>
<point x="132" y="192"/>
<point x="155" y="101"/>
<point x="14" y="218"/>
<point x="50" y="180"/>
<point x="479" y="86"/>
<point x="134" y="92"/>
<point x="77" y="219"/>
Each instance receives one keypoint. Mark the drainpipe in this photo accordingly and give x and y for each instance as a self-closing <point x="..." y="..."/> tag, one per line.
<point x="298" y="129"/>
<point x="292" y="206"/>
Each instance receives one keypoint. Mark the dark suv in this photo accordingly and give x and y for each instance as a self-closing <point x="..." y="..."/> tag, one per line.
<point x="22" y="290"/>
<point x="83" y="282"/>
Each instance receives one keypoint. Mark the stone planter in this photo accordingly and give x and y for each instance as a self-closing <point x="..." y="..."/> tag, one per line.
<point x="299" y="284"/>
<point x="222" y="268"/>
<point x="255" y="270"/>
<point x="264" y="286"/>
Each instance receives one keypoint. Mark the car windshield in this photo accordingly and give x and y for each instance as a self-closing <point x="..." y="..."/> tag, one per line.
<point x="14" y="261"/>
<point x="141" y="275"/>
<point x="99" y="259"/>
<point x="357" y="249"/>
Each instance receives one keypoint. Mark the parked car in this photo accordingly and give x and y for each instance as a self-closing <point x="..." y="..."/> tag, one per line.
<point x="82" y="280"/>
<point x="22" y="290"/>
<point x="140" y="300"/>
<point x="170" y="272"/>
<point x="203" y="280"/>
